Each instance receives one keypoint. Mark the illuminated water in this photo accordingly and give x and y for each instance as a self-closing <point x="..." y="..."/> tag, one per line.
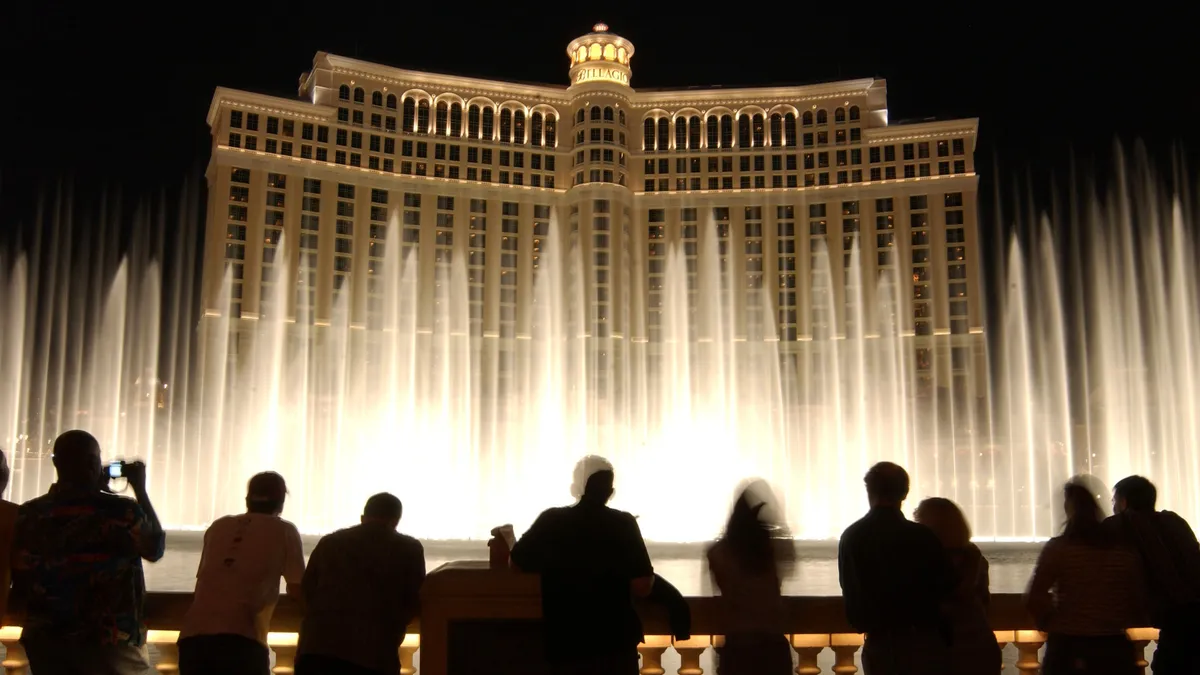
<point x="1095" y="368"/>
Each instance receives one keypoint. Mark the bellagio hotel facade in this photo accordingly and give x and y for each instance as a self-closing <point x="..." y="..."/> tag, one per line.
<point x="474" y="169"/>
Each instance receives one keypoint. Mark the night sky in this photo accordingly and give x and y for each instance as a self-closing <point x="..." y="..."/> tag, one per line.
<point x="107" y="96"/>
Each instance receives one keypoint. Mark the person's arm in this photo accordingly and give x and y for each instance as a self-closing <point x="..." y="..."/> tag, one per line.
<point x="1045" y="573"/>
<point x="414" y="578"/>
<point x="293" y="562"/>
<point x="641" y="572"/>
<point x="151" y="540"/>
<point x="312" y="573"/>
<point x="983" y="582"/>
<point x="529" y="553"/>
<point x="848" y="579"/>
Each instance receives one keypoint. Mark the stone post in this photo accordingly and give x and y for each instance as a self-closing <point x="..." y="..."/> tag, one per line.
<point x="808" y="648"/>
<point x="408" y="651"/>
<point x="1140" y="637"/>
<point x="652" y="652"/>
<point x="845" y="645"/>
<point x="1004" y="637"/>
<point x="689" y="654"/>
<point x="1028" y="643"/>
<point x="15" y="661"/>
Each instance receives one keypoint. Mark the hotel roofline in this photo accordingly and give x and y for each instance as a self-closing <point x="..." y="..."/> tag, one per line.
<point x="647" y="99"/>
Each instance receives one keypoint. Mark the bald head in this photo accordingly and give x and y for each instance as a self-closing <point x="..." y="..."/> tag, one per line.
<point x="77" y="459"/>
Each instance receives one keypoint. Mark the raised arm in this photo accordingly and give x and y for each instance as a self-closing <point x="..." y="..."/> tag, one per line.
<point x="151" y="540"/>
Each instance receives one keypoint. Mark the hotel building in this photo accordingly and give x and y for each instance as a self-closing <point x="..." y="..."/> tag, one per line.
<point x="477" y="170"/>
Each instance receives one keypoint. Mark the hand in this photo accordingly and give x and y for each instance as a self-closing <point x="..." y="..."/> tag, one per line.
<point x="135" y="473"/>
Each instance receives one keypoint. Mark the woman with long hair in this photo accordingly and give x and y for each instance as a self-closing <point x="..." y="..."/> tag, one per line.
<point x="1085" y="591"/>
<point x="974" y="648"/>
<point x="748" y="564"/>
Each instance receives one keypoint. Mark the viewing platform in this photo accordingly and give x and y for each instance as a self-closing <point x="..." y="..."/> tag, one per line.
<point x="475" y="620"/>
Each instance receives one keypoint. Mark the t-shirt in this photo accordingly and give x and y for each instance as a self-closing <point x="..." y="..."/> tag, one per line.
<point x="361" y="590"/>
<point x="587" y="555"/>
<point x="78" y="562"/>
<point x="237" y="583"/>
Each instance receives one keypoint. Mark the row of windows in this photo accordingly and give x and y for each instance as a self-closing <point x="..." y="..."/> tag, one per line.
<point x="810" y="179"/>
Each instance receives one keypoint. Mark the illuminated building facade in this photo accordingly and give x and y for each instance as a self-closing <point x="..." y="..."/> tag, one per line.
<point x="477" y="170"/>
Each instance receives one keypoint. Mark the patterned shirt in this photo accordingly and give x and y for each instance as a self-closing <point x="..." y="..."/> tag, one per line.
<point x="78" y="564"/>
<point x="1097" y="589"/>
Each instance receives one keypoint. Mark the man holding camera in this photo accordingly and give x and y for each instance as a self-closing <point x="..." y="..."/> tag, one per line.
<point x="77" y="568"/>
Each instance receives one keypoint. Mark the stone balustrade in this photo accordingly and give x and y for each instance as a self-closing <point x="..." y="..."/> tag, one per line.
<point x="479" y="620"/>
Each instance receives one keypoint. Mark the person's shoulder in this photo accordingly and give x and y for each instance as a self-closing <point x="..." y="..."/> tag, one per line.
<point x="853" y="529"/>
<point x="408" y="543"/>
<point x="116" y="505"/>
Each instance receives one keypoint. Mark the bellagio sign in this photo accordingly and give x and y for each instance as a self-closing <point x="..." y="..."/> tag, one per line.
<point x="608" y="74"/>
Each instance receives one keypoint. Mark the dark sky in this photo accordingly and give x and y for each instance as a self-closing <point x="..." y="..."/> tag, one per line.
<point x="106" y="94"/>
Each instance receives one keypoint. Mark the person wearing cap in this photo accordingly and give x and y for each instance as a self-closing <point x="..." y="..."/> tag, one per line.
<point x="361" y="590"/>
<point x="77" y="566"/>
<point x="593" y="562"/>
<point x="237" y="585"/>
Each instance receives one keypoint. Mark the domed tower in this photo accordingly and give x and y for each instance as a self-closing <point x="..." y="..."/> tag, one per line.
<point x="600" y="203"/>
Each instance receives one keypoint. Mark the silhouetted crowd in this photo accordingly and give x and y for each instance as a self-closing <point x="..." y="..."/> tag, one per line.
<point x="917" y="589"/>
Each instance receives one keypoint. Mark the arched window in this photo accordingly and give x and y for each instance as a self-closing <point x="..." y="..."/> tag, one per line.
<point x="853" y="113"/>
<point x="714" y="134"/>
<point x="391" y="101"/>
<point x="535" y="129"/>
<point x="807" y="119"/>
<point x="776" y="130"/>
<point x="473" y="122"/>
<point x="648" y="134"/>
<point x="456" y="120"/>
<point x="726" y="131"/>
<point x="579" y="115"/>
<point x="551" y="131"/>
<point x="376" y="98"/>
<point x="681" y="133"/>
<point x="822" y="117"/>
<point x="744" y="131"/>
<point x="443" y="118"/>
<point x="757" y="130"/>
<point x="789" y="129"/>
<point x="489" y="123"/>
<point x="608" y="114"/>
<point x="410" y="114"/>
<point x="360" y="96"/>
<point x="519" y="126"/>
<point x="595" y="113"/>
<point x="621" y="117"/>
<point x="423" y="117"/>
<point x="505" y="126"/>
<point x="344" y="92"/>
<point x="664" y="133"/>
<point x="839" y="115"/>
<point x="694" y="133"/>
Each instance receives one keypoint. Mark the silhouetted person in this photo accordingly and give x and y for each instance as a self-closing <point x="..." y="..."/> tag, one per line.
<point x="1097" y="593"/>
<point x="78" y="566"/>
<point x="747" y="564"/>
<point x="973" y="648"/>
<point x="361" y="590"/>
<point x="593" y="562"/>
<point x="1171" y="562"/>
<point x="8" y="523"/>
<point x="895" y="580"/>
<point x="237" y="585"/>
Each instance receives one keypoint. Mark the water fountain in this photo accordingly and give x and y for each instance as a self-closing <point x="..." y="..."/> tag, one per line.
<point x="1095" y="366"/>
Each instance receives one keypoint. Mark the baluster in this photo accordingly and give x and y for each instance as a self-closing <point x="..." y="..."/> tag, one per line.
<point x="1004" y="637"/>
<point x="652" y="651"/>
<point x="845" y="645"/>
<point x="1028" y="643"/>
<point x="689" y="654"/>
<point x="808" y="648"/>
<point x="1140" y="637"/>
<point x="163" y="642"/>
<point x="408" y="650"/>
<point x="15" y="661"/>
<point x="284" y="646"/>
